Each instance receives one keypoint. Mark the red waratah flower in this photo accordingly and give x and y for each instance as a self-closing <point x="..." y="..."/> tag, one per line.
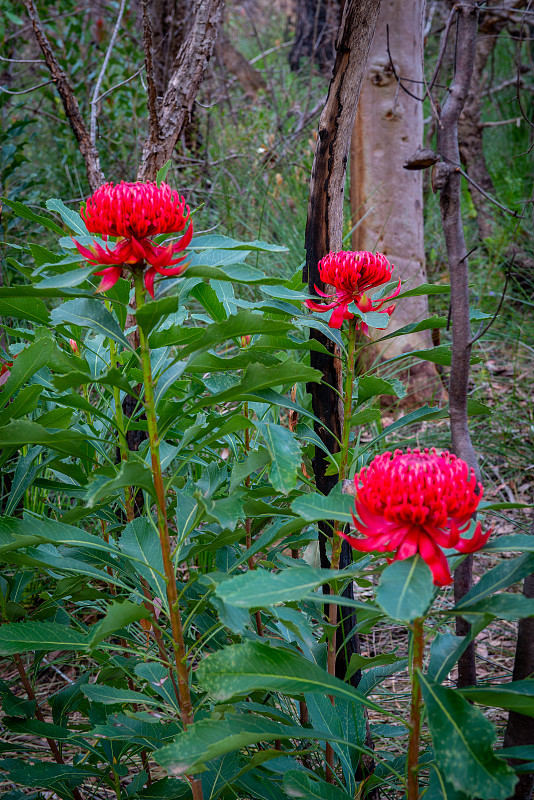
<point x="417" y="502"/>
<point x="135" y="212"/>
<point x="351" y="275"/>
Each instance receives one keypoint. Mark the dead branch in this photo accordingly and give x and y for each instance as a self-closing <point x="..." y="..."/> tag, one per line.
<point x="70" y="104"/>
<point x="152" y="94"/>
<point x="442" y="47"/>
<point x="324" y="232"/>
<point x="486" y="195"/>
<point x="448" y="180"/>
<point x="187" y="72"/>
<point x="26" y="91"/>
<point x="95" y="98"/>
<point x="122" y="83"/>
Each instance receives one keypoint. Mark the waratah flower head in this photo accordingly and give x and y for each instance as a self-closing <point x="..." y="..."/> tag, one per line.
<point x="135" y="212"/>
<point x="417" y="502"/>
<point x="352" y="274"/>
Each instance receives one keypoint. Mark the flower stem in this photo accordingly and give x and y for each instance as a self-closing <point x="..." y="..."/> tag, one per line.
<point x="415" y="711"/>
<point x="248" y="521"/>
<point x="163" y="529"/>
<point x="337" y="541"/>
<point x="121" y="430"/>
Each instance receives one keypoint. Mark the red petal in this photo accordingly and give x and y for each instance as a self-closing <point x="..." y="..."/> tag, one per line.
<point x="472" y="545"/>
<point x="110" y="276"/>
<point x="435" y="558"/>
<point x="320" y="307"/>
<point x="150" y="274"/>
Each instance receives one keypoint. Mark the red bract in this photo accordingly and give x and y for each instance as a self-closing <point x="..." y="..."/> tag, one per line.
<point x="5" y="371"/>
<point x="135" y="212"/>
<point x="352" y="274"/>
<point x="417" y="502"/>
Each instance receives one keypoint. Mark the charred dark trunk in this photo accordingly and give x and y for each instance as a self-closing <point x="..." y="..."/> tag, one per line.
<point x="316" y="27"/>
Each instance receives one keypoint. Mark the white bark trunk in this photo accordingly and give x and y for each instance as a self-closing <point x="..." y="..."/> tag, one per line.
<point x="385" y="197"/>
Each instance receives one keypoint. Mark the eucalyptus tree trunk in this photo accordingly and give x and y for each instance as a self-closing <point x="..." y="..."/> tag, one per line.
<point x="470" y="127"/>
<point x="386" y="198"/>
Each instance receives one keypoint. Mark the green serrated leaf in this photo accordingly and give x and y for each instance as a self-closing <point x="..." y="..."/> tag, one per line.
<point x="314" y="507"/>
<point x="28" y="309"/>
<point x="26" y="213"/>
<point x="118" y="615"/>
<point x="240" y="669"/>
<point x="27" y="363"/>
<point x="161" y="174"/>
<point x="131" y="473"/>
<point x="515" y="696"/>
<point x="462" y="739"/>
<point x="89" y="313"/>
<point x="71" y="218"/>
<point x="24" y="637"/>
<point x="109" y="695"/>
<point x="300" y="784"/>
<point x="406" y="589"/>
<point x="285" y="453"/>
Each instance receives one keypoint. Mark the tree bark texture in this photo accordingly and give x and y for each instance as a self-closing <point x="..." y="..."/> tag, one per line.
<point x="184" y="82"/>
<point x="316" y="26"/>
<point x="70" y="103"/>
<point x="470" y="129"/>
<point x="324" y="224"/>
<point x="447" y="179"/>
<point x="324" y="229"/>
<point x="171" y="22"/>
<point x="387" y="199"/>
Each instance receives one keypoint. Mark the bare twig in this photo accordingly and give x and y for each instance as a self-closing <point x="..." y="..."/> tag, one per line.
<point x="269" y="51"/>
<point x="501" y="86"/>
<point x="397" y="78"/>
<point x="152" y="94"/>
<point x="26" y="91"/>
<point x="122" y="83"/>
<point x="95" y="98"/>
<point x="486" y="195"/>
<point x="70" y="104"/>
<point x="448" y="180"/>
<point x="498" y="122"/>
<point x="443" y="46"/>
<point x="23" y="60"/>
<point x="482" y="330"/>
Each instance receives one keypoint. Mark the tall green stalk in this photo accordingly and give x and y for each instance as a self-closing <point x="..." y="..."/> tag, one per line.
<point x="121" y="430"/>
<point x="337" y="541"/>
<point x="415" y="711"/>
<point x="186" y="708"/>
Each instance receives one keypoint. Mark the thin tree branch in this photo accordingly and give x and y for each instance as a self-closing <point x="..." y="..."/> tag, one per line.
<point x="481" y="331"/>
<point x="443" y="46"/>
<point x="95" y="98"/>
<point x="397" y="78"/>
<point x="23" y="60"/>
<point x="447" y="179"/>
<point x="122" y="83"/>
<point x="498" y="122"/>
<point x="269" y="51"/>
<point x="68" y="98"/>
<point x="486" y="195"/>
<point x="26" y="91"/>
<point x="152" y="94"/>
